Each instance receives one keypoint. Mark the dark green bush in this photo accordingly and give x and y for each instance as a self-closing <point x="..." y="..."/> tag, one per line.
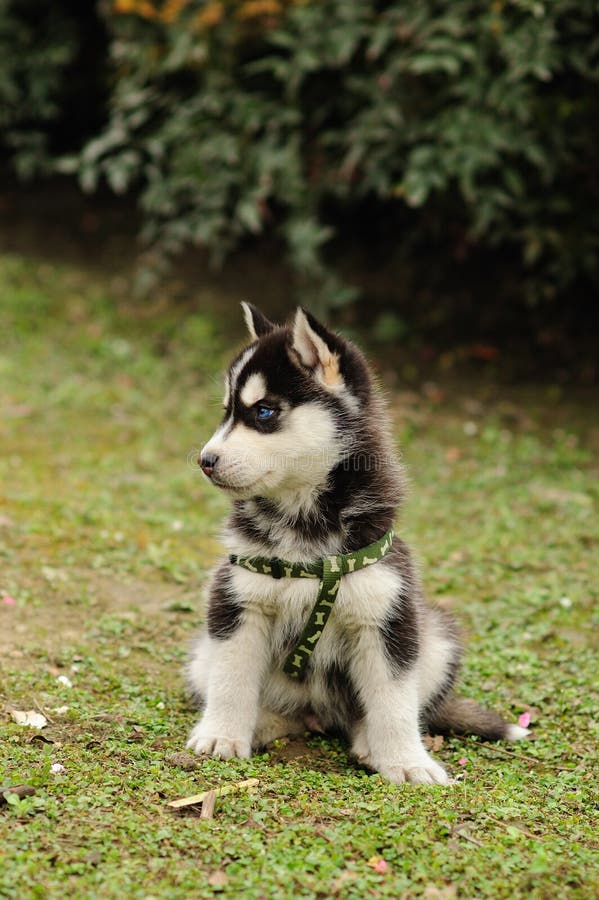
<point x="37" y="44"/>
<point x="232" y="119"/>
<point x="51" y="74"/>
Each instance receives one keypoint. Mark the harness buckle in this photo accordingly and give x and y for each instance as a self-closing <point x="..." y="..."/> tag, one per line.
<point x="276" y="568"/>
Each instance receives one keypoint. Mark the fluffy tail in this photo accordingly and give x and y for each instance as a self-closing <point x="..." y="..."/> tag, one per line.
<point x="463" y="716"/>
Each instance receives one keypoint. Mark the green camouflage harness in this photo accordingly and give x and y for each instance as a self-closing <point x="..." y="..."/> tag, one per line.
<point x="329" y="570"/>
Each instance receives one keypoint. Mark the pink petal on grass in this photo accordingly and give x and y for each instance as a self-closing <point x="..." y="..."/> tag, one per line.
<point x="524" y="720"/>
<point x="463" y="761"/>
<point x="8" y="600"/>
<point x="378" y="864"/>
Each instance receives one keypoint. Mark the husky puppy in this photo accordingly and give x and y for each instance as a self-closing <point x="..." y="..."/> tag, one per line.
<point x="305" y="453"/>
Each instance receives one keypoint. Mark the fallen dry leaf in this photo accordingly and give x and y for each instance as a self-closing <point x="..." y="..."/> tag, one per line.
<point x="29" y="717"/>
<point x="21" y="790"/>
<point x="433" y="392"/>
<point x="218" y="879"/>
<point x="41" y="739"/>
<point x="137" y="735"/>
<point x="452" y="454"/>
<point x="52" y="574"/>
<point x="183" y="760"/>
<point x="339" y="883"/>
<point x="433" y="742"/>
<point x="484" y="352"/>
<point x="443" y="892"/>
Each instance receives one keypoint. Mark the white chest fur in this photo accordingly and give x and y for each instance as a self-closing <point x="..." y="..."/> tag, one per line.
<point x="363" y="601"/>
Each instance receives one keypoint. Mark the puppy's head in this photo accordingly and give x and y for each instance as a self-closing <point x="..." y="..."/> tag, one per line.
<point x="291" y="400"/>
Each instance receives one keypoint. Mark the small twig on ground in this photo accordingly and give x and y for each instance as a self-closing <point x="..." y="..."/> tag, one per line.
<point x="471" y="839"/>
<point x="525" y="759"/>
<point x="208" y="805"/>
<point x="494" y="748"/>
<point x="41" y="709"/>
<point x="196" y="799"/>
<point x="510" y="754"/>
<point x="525" y="831"/>
<point x="461" y="831"/>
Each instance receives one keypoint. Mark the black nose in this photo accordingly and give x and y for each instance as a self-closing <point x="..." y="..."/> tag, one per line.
<point x="208" y="462"/>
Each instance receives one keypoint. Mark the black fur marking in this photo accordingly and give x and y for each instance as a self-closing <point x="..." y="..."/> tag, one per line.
<point x="401" y="630"/>
<point x="260" y="323"/>
<point x="244" y="523"/>
<point x="400" y="635"/>
<point x="342" y="696"/>
<point x="249" y="414"/>
<point x="224" y="609"/>
<point x="283" y="378"/>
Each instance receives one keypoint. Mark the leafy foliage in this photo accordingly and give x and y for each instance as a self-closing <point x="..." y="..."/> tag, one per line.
<point x="36" y="45"/>
<point x="233" y="119"/>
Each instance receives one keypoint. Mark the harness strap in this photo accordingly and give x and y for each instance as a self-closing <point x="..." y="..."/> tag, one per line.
<point x="329" y="570"/>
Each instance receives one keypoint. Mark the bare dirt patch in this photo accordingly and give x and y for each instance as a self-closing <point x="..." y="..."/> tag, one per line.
<point x="69" y="609"/>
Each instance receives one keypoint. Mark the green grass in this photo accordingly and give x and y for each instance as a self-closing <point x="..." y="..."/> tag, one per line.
<point x="103" y="526"/>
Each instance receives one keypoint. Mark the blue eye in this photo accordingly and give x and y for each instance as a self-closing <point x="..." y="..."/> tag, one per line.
<point x="264" y="412"/>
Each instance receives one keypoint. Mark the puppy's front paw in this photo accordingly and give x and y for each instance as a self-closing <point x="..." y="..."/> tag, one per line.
<point x="418" y="770"/>
<point x="206" y="744"/>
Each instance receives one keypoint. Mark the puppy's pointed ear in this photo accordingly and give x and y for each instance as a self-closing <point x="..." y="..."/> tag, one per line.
<point x="315" y="348"/>
<point x="257" y="323"/>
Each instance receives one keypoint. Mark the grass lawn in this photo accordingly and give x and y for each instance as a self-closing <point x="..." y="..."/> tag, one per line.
<point x="105" y="529"/>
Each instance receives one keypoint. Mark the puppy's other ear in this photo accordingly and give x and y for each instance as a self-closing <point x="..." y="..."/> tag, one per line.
<point x="315" y="348"/>
<point x="257" y="323"/>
